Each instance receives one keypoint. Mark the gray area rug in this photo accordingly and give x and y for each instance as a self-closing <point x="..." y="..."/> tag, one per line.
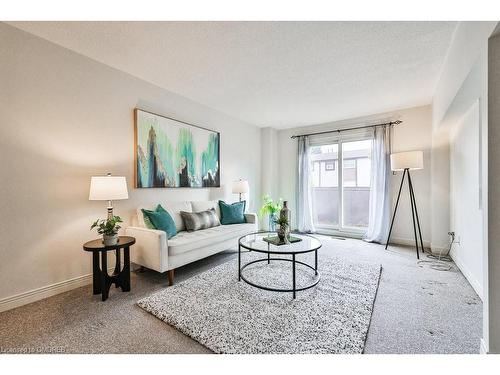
<point x="228" y="316"/>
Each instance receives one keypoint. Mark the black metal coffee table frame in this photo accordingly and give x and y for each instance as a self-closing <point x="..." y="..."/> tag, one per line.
<point x="270" y="251"/>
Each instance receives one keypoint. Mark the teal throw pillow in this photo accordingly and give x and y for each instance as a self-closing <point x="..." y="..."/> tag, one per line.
<point x="232" y="213"/>
<point x="145" y="217"/>
<point x="161" y="220"/>
<point x="147" y="222"/>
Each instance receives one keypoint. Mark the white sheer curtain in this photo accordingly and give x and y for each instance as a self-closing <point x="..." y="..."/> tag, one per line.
<point x="380" y="200"/>
<point x="304" y="199"/>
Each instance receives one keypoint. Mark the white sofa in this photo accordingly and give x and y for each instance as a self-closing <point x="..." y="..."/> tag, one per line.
<point x="154" y="251"/>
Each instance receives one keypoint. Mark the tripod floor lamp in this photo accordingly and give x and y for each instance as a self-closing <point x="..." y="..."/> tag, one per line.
<point x="406" y="161"/>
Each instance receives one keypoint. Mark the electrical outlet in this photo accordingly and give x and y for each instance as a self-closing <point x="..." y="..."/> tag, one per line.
<point x="452" y="235"/>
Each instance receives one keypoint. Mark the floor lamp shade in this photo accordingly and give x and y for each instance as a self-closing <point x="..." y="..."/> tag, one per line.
<point x="407" y="160"/>
<point x="108" y="188"/>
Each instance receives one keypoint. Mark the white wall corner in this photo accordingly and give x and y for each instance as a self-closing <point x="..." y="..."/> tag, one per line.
<point x="468" y="40"/>
<point x="440" y="189"/>
<point x="473" y="281"/>
<point x="269" y="167"/>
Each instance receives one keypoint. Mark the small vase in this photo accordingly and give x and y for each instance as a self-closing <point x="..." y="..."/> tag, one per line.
<point x="110" y="240"/>
<point x="285" y="212"/>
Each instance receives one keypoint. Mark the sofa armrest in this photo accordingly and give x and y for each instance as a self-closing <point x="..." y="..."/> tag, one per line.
<point x="251" y="218"/>
<point x="150" y="249"/>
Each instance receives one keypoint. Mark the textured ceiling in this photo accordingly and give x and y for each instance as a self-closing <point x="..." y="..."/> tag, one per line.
<point x="280" y="74"/>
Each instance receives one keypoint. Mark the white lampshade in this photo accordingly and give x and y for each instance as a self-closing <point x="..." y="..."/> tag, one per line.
<point x="108" y="188"/>
<point x="240" y="187"/>
<point x="407" y="160"/>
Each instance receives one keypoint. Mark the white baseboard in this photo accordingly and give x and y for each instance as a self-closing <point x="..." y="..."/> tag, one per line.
<point x="476" y="285"/>
<point x="45" y="292"/>
<point x="409" y="242"/>
<point x="483" y="347"/>
<point x="438" y="250"/>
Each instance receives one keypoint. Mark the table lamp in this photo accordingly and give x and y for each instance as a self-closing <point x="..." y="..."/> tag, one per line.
<point x="108" y="188"/>
<point x="240" y="187"/>
<point x="407" y="161"/>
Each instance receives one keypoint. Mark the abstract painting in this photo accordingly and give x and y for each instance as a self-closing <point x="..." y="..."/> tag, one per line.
<point x="172" y="153"/>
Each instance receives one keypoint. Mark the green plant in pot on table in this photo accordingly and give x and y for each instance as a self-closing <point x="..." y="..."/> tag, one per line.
<point x="270" y="209"/>
<point x="283" y="229"/>
<point x="109" y="229"/>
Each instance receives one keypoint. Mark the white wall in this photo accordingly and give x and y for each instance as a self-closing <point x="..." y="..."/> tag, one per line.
<point x="413" y="134"/>
<point x="466" y="123"/>
<point x="64" y="118"/>
<point x="440" y="191"/>
<point x="268" y="167"/>
<point x="466" y="213"/>
<point x="462" y="83"/>
<point x="468" y="42"/>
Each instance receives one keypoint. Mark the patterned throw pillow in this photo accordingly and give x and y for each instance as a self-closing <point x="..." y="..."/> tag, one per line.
<point x="200" y="220"/>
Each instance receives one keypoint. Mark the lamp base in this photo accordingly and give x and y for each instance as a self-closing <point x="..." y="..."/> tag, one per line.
<point x="414" y="213"/>
<point x="110" y="210"/>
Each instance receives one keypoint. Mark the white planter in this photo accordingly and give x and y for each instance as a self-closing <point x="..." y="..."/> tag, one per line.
<point x="110" y="240"/>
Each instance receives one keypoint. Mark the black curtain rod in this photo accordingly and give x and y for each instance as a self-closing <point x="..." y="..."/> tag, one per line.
<point x="397" y="122"/>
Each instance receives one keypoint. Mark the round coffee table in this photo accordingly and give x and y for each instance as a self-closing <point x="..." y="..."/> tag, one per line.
<point x="256" y="242"/>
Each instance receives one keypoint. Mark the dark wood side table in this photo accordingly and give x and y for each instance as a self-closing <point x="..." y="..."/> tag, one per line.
<point x="121" y="278"/>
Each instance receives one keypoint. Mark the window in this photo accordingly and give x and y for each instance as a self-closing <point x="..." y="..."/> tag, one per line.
<point x="356" y="183"/>
<point x="344" y="208"/>
<point x="349" y="163"/>
<point x="325" y="182"/>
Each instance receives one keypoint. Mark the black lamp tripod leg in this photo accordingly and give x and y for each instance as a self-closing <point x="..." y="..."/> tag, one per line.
<point x="395" y="209"/>
<point x="413" y="217"/>
<point x="414" y="202"/>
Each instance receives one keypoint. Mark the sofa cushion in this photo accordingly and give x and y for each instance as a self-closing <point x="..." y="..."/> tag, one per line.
<point x="199" y="206"/>
<point x="173" y="208"/>
<point x="187" y="241"/>
<point x="147" y="222"/>
<point x="233" y="213"/>
<point x="200" y="220"/>
<point x="161" y="220"/>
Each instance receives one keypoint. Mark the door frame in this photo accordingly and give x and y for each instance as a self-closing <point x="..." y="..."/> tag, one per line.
<point x="340" y="229"/>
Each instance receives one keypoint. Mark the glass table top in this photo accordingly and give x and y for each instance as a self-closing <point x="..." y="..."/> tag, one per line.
<point x="255" y="241"/>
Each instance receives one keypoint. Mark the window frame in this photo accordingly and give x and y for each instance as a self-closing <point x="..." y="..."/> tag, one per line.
<point x="330" y="163"/>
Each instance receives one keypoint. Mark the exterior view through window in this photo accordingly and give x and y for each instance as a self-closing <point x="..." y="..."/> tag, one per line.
<point x="344" y="208"/>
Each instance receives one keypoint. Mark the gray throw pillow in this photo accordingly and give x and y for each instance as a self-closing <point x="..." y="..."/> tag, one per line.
<point x="200" y="220"/>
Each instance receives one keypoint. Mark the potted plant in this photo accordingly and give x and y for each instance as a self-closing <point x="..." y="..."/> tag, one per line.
<point x="109" y="229"/>
<point x="270" y="209"/>
<point x="284" y="228"/>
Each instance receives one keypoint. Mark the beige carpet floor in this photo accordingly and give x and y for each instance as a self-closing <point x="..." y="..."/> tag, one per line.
<point x="417" y="310"/>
